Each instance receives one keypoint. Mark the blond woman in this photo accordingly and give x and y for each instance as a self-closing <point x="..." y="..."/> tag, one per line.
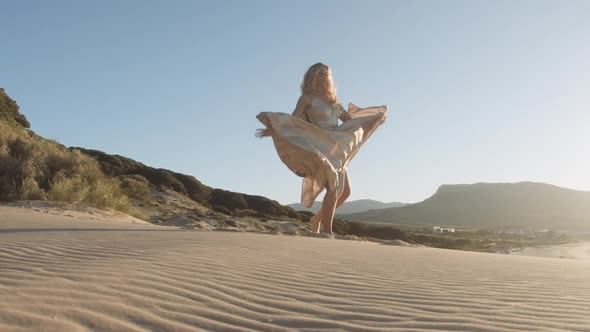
<point x="313" y="144"/>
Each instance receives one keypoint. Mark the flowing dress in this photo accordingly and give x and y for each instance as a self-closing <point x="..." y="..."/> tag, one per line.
<point x="316" y="148"/>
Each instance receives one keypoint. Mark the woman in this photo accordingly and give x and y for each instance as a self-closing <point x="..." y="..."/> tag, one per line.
<point x="312" y="144"/>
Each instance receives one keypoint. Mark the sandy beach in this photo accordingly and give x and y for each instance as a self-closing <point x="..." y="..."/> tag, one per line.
<point x="72" y="271"/>
<point x="576" y="250"/>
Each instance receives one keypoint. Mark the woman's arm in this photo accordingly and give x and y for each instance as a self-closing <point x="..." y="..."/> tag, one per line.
<point x="302" y="105"/>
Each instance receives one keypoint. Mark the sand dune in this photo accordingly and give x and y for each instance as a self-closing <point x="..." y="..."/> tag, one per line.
<point x="72" y="273"/>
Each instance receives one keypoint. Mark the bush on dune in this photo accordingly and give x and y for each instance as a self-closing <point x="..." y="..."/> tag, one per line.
<point x="105" y="192"/>
<point x="9" y="111"/>
<point x="33" y="168"/>
<point x="268" y="206"/>
<point x="222" y="209"/>
<point x="119" y="166"/>
<point x="136" y="187"/>
<point x="227" y="199"/>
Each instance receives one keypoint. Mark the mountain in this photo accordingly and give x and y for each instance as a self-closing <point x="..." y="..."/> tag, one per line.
<point x="349" y="207"/>
<point x="523" y="204"/>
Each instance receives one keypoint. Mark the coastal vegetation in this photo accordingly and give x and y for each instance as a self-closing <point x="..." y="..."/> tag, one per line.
<point x="34" y="168"/>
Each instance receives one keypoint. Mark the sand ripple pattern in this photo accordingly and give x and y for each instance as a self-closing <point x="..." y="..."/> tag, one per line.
<point x="156" y="280"/>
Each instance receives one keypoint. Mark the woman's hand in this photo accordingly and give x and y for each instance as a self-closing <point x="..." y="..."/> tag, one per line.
<point x="344" y="115"/>
<point x="262" y="132"/>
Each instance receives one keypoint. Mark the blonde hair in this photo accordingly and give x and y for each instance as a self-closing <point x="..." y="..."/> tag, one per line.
<point x="308" y="85"/>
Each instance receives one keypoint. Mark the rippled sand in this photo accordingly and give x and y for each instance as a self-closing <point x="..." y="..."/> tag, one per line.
<point x="579" y="250"/>
<point x="71" y="273"/>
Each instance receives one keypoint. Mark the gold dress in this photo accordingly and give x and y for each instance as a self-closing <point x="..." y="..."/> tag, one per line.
<point x="316" y="148"/>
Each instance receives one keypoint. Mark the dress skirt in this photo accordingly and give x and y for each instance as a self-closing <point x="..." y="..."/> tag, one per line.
<point x="321" y="155"/>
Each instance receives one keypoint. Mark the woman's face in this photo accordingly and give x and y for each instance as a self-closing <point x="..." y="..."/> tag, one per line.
<point x="322" y="76"/>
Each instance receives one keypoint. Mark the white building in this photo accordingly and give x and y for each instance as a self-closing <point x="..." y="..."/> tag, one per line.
<point x="440" y="230"/>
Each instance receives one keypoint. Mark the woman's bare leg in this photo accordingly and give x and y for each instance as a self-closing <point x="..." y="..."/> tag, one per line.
<point x="345" y="192"/>
<point x="328" y="208"/>
<point x="316" y="220"/>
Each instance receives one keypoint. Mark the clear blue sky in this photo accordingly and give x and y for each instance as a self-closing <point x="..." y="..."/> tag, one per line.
<point x="478" y="91"/>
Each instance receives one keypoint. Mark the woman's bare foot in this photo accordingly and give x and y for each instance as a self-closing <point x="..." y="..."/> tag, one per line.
<point x="316" y="220"/>
<point x="319" y="235"/>
<point x="326" y="236"/>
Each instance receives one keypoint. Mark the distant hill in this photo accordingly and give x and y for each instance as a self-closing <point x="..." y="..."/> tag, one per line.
<point x="349" y="207"/>
<point x="523" y="204"/>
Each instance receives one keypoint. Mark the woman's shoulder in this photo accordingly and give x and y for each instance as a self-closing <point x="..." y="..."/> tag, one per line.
<point x="306" y="98"/>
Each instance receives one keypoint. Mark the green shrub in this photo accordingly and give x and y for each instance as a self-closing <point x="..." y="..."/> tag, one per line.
<point x="68" y="189"/>
<point x="136" y="187"/>
<point x="244" y="213"/>
<point x="9" y="111"/>
<point x="268" y="206"/>
<point x="304" y="215"/>
<point x="386" y="233"/>
<point x="103" y="192"/>
<point x="227" y="199"/>
<point x="195" y="189"/>
<point x="9" y="177"/>
<point x="30" y="190"/>
<point x="263" y="215"/>
<point x="222" y="209"/>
